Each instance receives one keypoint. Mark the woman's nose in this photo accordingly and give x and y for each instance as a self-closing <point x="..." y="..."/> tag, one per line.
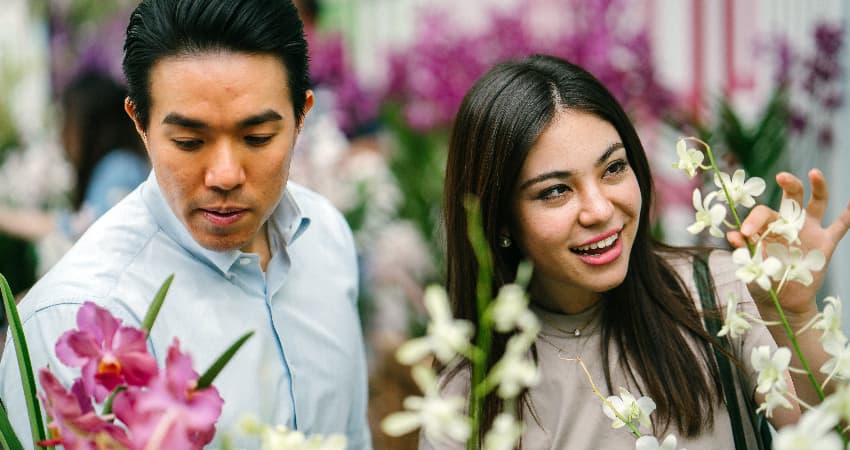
<point x="596" y="207"/>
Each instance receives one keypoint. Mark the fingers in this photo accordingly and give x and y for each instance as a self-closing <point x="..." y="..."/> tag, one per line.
<point x="820" y="195"/>
<point x="791" y="186"/>
<point x="736" y="239"/>
<point x="756" y="220"/>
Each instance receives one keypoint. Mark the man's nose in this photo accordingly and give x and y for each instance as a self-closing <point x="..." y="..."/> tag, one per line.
<point x="224" y="170"/>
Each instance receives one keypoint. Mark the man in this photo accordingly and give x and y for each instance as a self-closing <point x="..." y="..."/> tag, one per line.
<point x="218" y="90"/>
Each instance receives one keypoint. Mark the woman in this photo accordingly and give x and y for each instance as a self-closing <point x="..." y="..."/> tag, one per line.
<point x="108" y="160"/>
<point x="564" y="182"/>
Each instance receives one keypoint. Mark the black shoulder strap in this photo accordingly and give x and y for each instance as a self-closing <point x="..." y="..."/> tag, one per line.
<point x="712" y="325"/>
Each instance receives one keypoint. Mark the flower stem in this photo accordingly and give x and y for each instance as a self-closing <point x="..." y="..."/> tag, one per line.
<point x="628" y="423"/>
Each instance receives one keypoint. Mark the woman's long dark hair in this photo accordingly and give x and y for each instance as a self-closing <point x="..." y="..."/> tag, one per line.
<point x="95" y="124"/>
<point x="650" y="316"/>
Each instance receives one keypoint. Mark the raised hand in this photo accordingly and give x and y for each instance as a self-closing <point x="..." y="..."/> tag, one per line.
<point x="796" y="298"/>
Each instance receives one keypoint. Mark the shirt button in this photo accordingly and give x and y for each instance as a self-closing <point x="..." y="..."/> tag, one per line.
<point x="245" y="261"/>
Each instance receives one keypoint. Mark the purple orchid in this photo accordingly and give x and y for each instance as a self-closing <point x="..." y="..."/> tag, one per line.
<point x="170" y="413"/>
<point x="109" y="354"/>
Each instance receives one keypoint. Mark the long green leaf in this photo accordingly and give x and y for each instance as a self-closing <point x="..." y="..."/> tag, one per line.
<point x="24" y="363"/>
<point x="153" y="310"/>
<point x="207" y="378"/>
<point x="8" y="440"/>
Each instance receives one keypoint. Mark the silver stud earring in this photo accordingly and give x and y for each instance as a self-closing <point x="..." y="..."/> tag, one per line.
<point x="505" y="241"/>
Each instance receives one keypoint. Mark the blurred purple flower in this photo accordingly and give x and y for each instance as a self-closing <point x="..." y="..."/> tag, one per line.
<point x="109" y="354"/>
<point x="430" y="77"/>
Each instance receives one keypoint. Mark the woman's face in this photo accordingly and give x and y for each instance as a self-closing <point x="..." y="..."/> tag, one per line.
<point x="577" y="207"/>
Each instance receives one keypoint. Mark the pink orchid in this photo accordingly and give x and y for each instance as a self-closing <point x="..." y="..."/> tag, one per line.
<point x="170" y="413"/>
<point x="74" y="423"/>
<point x="110" y="355"/>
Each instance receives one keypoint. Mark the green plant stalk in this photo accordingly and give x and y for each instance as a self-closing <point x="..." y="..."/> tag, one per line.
<point x="205" y="380"/>
<point x="156" y="304"/>
<point x="8" y="439"/>
<point x="792" y="336"/>
<point x="24" y="363"/>
<point x="484" y="331"/>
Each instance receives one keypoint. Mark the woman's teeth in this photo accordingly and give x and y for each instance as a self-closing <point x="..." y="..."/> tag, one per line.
<point x="598" y="244"/>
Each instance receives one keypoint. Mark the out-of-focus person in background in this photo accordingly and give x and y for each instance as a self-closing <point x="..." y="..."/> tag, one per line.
<point x="108" y="160"/>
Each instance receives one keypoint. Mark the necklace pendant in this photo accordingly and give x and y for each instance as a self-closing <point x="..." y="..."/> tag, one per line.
<point x="577" y="332"/>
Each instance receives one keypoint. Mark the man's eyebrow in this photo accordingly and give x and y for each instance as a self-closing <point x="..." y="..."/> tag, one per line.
<point x="183" y="121"/>
<point x="257" y="119"/>
<point x="263" y="117"/>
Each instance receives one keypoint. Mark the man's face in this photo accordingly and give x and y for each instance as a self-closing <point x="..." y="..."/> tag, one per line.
<point x="220" y="135"/>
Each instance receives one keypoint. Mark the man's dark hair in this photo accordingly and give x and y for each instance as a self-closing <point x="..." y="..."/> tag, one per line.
<point x="163" y="28"/>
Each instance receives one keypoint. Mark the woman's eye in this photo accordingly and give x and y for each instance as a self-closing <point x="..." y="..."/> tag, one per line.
<point x="257" y="140"/>
<point x="188" y="144"/>
<point x="554" y="192"/>
<point x="616" y="167"/>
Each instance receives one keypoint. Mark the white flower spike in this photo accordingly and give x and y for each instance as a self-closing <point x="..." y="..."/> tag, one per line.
<point x="736" y="323"/>
<point x="741" y="190"/>
<point x="707" y="215"/>
<point x="504" y="434"/>
<point x="509" y="306"/>
<point x="756" y="269"/>
<point x="771" y="368"/>
<point x="830" y="323"/>
<point x="440" y="418"/>
<point x="635" y="412"/>
<point x="797" y="267"/>
<point x="690" y="159"/>
<point x="446" y="337"/>
<point x="790" y="221"/>
<point x="651" y="443"/>
<point x="812" y="432"/>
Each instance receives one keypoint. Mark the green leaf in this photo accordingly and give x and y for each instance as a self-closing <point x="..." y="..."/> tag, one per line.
<point x="24" y="363"/>
<point x="207" y="378"/>
<point x="153" y="310"/>
<point x="8" y="440"/>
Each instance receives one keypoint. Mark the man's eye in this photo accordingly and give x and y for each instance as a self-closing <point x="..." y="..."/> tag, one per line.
<point x="257" y="140"/>
<point x="188" y="144"/>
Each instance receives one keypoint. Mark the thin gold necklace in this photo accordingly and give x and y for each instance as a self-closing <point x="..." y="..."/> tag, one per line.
<point x="578" y="330"/>
<point x="561" y="353"/>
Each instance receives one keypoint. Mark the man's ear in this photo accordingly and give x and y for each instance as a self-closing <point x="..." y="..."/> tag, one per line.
<point x="309" y="99"/>
<point x="130" y="108"/>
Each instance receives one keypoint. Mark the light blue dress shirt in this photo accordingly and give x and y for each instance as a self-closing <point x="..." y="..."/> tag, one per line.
<point x="304" y="367"/>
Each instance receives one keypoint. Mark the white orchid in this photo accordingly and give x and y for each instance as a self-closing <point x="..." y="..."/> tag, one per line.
<point x="440" y="418"/>
<point x="446" y="337"/>
<point x="282" y="438"/>
<point x="790" y="221"/>
<point x="829" y="323"/>
<point x="515" y="371"/>
<point x="838" y="402"/>
<point x="812" y="432"/>
<point x="736" y="322"/>
<point x="707" y="215"/>
<point x="504" y="434"/>
<point x="741" y="190"/>
<point x="771" y="368"/>
<point x="509" y="306"/>
<point x="651" y="443"/>
<point x="634" y="411"/>
<point x="755" y="268"/>
<point x="772" y="400"/>
<point x="690" y="159"/>
<point x="839" y="365"/>
<point x="796" y="266"/>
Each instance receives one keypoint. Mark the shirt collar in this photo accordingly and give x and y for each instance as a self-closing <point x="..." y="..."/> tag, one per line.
<point x="286" y="223"/>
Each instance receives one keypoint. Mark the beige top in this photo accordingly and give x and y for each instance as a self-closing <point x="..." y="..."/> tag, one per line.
<point x="570" y="414"/>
